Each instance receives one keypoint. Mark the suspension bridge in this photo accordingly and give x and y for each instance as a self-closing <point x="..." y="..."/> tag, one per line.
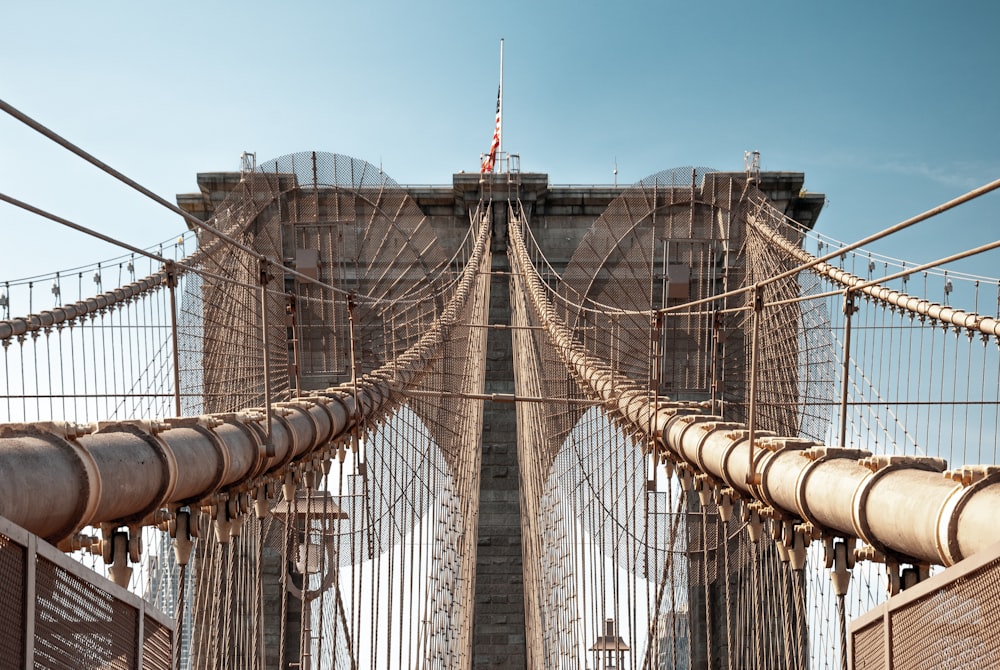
<point x="345" y="423"/>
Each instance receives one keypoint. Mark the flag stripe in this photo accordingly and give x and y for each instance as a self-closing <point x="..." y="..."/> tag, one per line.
<point x="490" y="161"/>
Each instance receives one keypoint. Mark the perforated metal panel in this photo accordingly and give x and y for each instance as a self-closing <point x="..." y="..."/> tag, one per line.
<point x="964" y="617"/>
<point x="869" y="648"/>
<point x="78" y="624"/>
<point x="949" y="621"/>
<point x="156" y="644"/>
<point x="11" y="598"/>
<point x="58" y="614"/>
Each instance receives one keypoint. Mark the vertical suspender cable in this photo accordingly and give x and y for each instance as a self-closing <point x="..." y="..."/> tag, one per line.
<point x="171" y="272"/>
<point x="845" y="381"/>
<point x="265" y="345"/>
<point x="758" y="307"/>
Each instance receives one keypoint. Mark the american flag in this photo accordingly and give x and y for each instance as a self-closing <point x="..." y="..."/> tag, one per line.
<point x="491" y="158"/>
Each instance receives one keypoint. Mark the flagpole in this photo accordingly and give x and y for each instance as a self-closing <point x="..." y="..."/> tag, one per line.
<point x="500" y="146"/>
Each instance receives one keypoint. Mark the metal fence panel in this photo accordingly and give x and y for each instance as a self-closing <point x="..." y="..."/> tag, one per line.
<point x="59" y="614"/>
<point x="948" y="621"/>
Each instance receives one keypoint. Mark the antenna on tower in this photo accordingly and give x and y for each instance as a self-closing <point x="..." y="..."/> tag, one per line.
<point x="751" y="163"/>
<point x="615" y="172"/>
<point x="248" y="163"/>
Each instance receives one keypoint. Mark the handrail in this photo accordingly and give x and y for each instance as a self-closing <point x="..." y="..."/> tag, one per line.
<point x="23" y="325"/>
<point x="987" y="325"/>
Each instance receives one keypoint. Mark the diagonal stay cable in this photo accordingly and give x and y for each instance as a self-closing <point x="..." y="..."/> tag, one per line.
<point x="93" y="160"/>
<point x="45" y="318"/>
<point x="885" y="232"/>
<point x="187" y="216"/>
<point x="80" y="228"/>
<point x="876" y="289"/>
<point x="966" y="197"/>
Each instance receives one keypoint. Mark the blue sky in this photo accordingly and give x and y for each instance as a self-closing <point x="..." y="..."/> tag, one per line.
<point x="889" y="108"/>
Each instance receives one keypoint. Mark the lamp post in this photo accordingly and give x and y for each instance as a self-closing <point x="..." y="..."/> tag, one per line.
<point x="612" y="646"/>
<point x="315" y="553"/>
<point x="312" y="506"/>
